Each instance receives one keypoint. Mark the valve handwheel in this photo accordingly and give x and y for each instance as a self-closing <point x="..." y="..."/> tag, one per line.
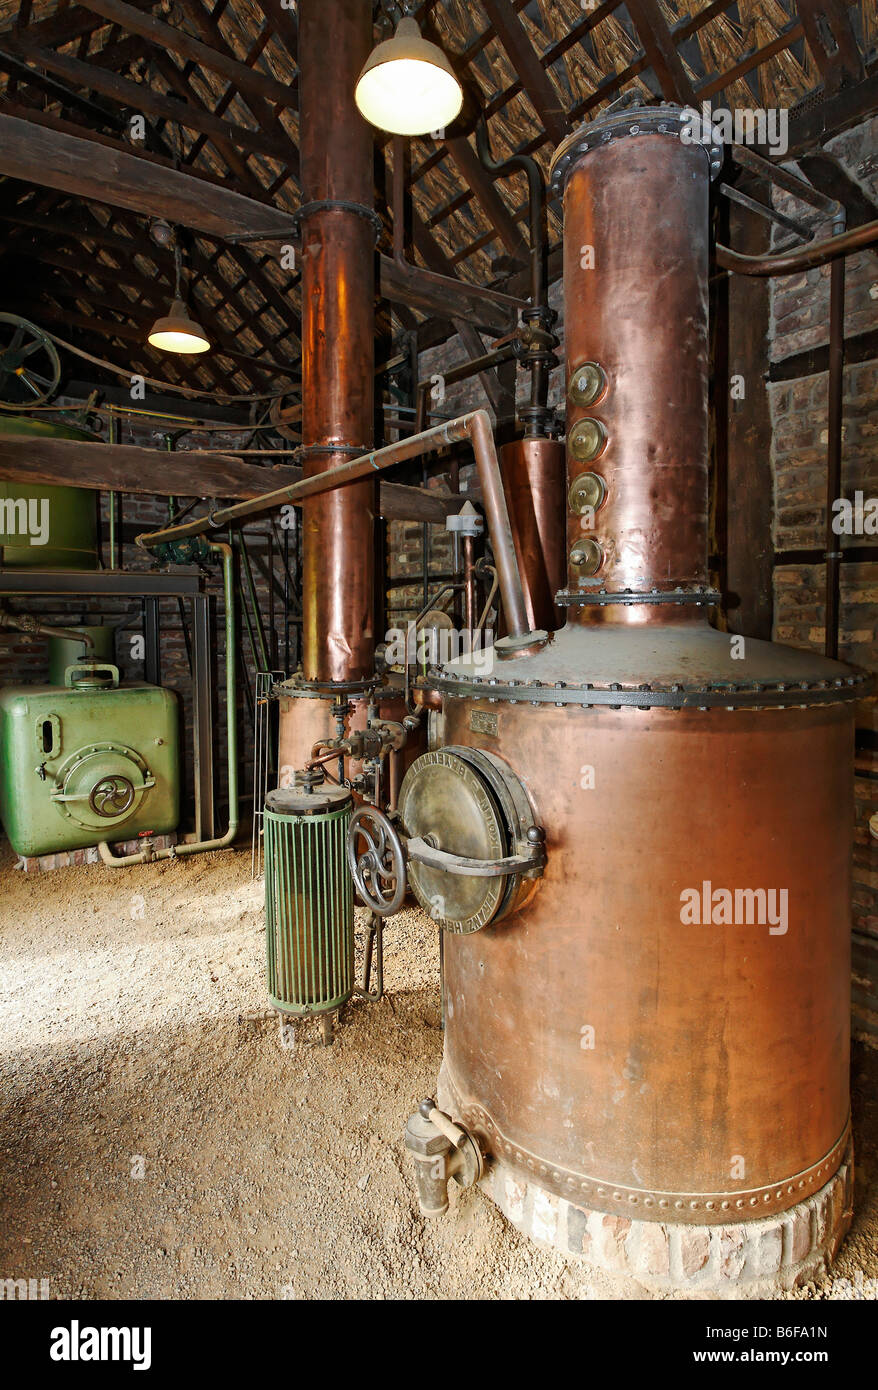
<point x="25" y="380"/>
<point x="376" y="861"/>
<point x="112" y="796"/>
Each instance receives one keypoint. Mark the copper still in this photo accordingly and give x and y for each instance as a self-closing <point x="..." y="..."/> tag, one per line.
<point x="647" y="995"/>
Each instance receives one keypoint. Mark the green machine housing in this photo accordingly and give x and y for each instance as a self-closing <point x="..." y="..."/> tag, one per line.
<point x="88" y="761"/>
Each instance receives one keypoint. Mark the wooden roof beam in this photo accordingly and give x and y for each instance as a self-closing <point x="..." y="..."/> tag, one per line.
<point x="41" y="152"/>
<point x="172" y="39"/>
<point x="474" y="173"/>
<point x="831" y="40"/>
<point x="140" y="97"/>
<point x="665" y="61"/>
<point x="535" y="80"/>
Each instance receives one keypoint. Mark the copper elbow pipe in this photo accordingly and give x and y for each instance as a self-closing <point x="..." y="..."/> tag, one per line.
<point x="802" y="258"/>
<point x="475" y="426"/>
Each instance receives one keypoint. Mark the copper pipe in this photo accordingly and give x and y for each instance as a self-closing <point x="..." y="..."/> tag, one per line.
<point x="469" y="584"/>
<point x="791" y="183"/>
<point x="533" y="479"/>
<point x="475" y="426"/>
<point x="337" y="261"/>
<point x="399" y="182"/>
<point x="24" y="623"/>
<point x="803" y="257"/>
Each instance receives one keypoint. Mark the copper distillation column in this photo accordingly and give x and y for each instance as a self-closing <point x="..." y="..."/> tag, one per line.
<point x="651" y="1048"/>
<point x="337" y="258"/>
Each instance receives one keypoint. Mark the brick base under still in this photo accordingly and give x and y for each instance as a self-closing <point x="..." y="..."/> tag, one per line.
<point x="749" y="1259"/>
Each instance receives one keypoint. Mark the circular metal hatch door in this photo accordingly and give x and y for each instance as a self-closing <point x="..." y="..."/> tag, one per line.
<point x="101" y="786"/>
<point x="469" y="804"/>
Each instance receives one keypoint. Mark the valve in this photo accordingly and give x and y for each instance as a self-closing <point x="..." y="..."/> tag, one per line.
<point x="378" y="870"/>
<point x="442" y="1150"/>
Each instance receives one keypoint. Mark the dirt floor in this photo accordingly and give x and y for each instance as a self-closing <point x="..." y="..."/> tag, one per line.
<point x="158" y="1139"/>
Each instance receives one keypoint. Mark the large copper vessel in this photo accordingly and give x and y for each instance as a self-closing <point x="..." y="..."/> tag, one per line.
<point x="661" y="1032"/>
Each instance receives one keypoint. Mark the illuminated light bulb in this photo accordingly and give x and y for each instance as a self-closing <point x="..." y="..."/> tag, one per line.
<point x="408" y="86"/>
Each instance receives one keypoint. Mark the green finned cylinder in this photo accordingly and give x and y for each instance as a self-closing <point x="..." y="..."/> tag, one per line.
<point x="309" y="899"/>
<point x="64" y="651"/>
<point x="46" y="527"/>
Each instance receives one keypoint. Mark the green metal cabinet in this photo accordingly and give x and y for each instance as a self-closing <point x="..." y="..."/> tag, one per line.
<point x="88" y="761"/>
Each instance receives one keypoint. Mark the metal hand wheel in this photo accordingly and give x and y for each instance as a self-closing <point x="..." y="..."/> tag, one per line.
<point x="30" y="368"/>
<point x="378" y="867"/>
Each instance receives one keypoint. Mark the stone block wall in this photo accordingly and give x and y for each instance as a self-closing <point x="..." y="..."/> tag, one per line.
<point x="800" y="323"/>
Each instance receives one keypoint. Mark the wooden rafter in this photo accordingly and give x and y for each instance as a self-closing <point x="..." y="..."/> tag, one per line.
<point x="831" y="40"/>
<point x="171" y="38"/>
<point x="533" y="75"/>
<point x="658" y="46"/>
<point x="139" y="97"/>
<point x="226" y="78"/>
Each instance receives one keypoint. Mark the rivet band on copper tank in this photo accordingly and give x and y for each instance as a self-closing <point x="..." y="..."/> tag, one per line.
<point x="695" y="1208"/>
<point x="632" y="120"/>
<point x="714" y="695"/>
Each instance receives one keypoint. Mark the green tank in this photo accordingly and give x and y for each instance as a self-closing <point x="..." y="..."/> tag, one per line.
<point x="46" y="527"/>
<point x="87" y="761"/>
<point x="63" y="651"/>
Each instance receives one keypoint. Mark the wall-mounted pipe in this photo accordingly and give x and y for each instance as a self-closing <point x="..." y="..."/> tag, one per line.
<point x="23" y="623"/>
<point x="803" y="257"/>
<point x="223" y="841"/>
<point x="833" y="455"/>
<point x="475" y="426"/>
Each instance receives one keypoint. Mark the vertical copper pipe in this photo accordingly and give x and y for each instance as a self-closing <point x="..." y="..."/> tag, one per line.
<point x="337" y="261"/>
<point x="635" y="285"/>
<point x="533" y="480"/>
<point x="833" y="471"/>
<point x="469" y="582"/>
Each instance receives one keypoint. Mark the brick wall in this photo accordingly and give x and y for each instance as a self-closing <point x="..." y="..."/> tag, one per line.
<point x="800" y="322"/>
